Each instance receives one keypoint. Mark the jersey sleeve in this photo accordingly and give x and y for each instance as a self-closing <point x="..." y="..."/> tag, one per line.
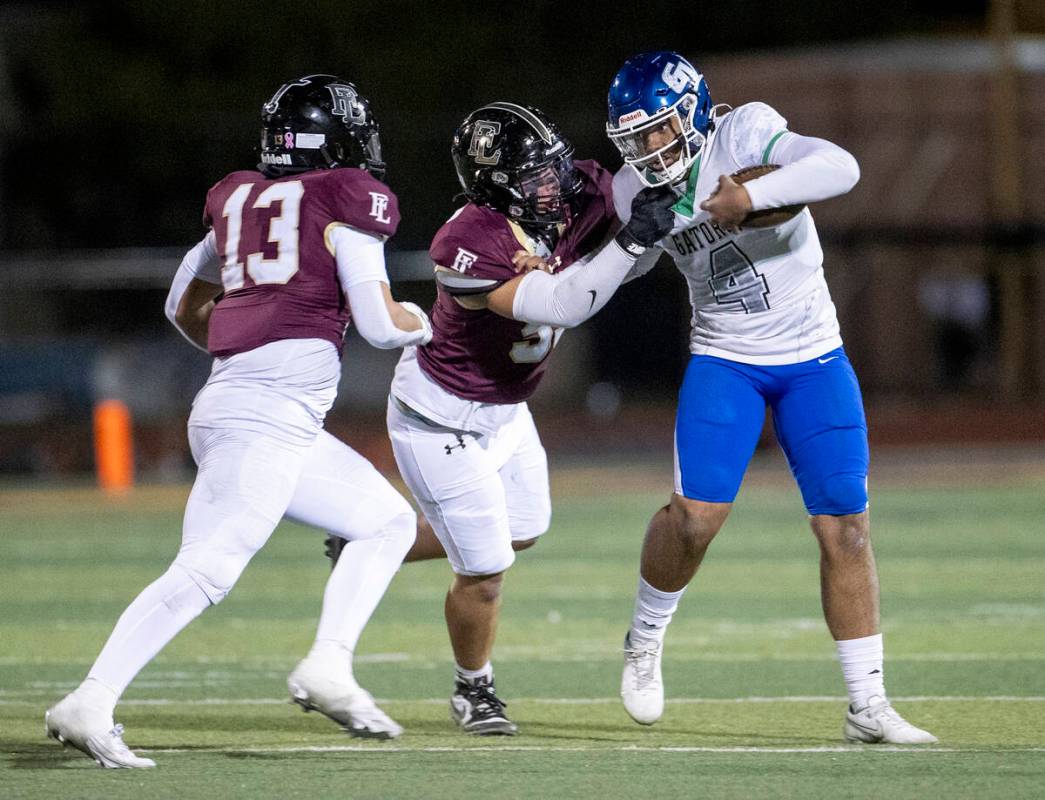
<point x="472" y="255"/>
<point x="598" y="183"/>
<point x="208" y="210"/>
<point x="361" y="201"/>
<point x="754" y="129"/>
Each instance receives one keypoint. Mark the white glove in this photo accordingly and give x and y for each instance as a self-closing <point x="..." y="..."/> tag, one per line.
<point x="426" y="324"/>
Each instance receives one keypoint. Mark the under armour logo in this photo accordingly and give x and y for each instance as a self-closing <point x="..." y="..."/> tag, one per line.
<point x="451" y="447"/>
<point x="378" y="207"/>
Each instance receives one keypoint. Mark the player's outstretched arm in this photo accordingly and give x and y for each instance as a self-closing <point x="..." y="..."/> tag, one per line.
<point x="196" y="284"/>
<point x="380" y="320"/>
<point x="811" y="170"/>
<point x="577" y="294"/>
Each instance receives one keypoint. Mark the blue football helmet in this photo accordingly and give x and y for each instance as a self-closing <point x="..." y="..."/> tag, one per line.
<point x="660" y="116"/>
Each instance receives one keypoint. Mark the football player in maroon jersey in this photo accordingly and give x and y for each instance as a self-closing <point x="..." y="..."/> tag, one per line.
<point x="461" y="431"/>
<point x="294" y="250"/>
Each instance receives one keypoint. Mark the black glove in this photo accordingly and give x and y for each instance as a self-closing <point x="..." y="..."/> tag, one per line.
<point x="651" y="220"/>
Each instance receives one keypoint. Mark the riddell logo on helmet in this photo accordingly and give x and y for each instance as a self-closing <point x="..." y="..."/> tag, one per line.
<point x="631" y="116"/>
<point x="276" y="158"/>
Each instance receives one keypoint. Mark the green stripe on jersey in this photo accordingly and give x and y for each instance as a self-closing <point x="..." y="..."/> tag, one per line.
<point x="685" y="203"/>
<point x="769" y="147"/>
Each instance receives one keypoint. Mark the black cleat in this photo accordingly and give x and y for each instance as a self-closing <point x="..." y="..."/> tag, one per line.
<point x="477" y="709"/>
<point x="333" y="547"/>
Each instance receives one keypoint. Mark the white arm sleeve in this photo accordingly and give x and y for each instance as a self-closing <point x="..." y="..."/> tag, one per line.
<point x="200" y="262"/>
<point x="811" y="170"/>
<point x="370" y="316"/>
<point x="643" y="264"/>
<point x="574" y="295"/>
<point x="361" y="272"/>
<point x="360" y="257"/>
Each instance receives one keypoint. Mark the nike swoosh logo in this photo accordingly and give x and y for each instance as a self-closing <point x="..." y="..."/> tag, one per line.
<point x="825" y="360"/>
<point x="875" y="730"/>
<point x="594" y="295"/>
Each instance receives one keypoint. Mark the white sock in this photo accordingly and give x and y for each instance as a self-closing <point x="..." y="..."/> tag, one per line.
<point x="155" y="617"/>
<point x="359" y="580"/>
<point x="471" y="675"/>
<point x="97" y="695"/>
<point x="653" y="611"/>
<point x="862" y="668"/>
<point x="335" y="656"/>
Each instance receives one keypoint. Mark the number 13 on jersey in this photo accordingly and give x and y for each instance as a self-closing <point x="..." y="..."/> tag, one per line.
<point x="282" y="231"/>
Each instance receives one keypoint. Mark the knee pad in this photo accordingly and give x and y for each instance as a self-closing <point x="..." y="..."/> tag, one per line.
<point x="838" y="495"/>
<point x="489" y="562"/>
<point x="532" y="523"/>
<point x="216" y="563"/>
<point x="209" y="581"/>
<point x="184" y="592"/>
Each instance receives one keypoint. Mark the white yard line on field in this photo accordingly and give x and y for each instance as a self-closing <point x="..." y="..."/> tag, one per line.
<point x="578" y="701"/>
<point x="521" y="653"/>
<point x="386" y="748"/>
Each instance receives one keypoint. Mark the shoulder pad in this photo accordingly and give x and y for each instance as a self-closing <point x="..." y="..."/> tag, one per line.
<point x="750" y="130"/>
<point x="238" y="177"/>
<point x="462" y="283"/>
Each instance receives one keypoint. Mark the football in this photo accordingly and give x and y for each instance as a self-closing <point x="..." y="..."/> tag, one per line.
<point x="767" y="217"/>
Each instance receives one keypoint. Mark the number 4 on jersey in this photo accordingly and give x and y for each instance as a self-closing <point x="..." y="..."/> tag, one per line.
<point x="734" y="279"/>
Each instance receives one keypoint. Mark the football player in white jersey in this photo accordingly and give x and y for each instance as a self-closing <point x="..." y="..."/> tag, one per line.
<point x="764" y="334"/>
<point x="294" y="250"/>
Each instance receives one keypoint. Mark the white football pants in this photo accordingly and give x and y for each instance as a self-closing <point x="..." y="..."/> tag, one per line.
<point x="247" y="479"/>
<point x="478" y="492"/>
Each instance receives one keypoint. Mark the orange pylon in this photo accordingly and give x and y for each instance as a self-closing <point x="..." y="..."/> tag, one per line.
<point x="113" y="446"/>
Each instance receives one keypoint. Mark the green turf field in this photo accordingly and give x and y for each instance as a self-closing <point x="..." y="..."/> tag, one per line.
<point x="755" y="697"/>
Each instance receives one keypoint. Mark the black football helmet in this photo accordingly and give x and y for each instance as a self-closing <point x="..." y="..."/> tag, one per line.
<point x="513" y="159"/>
<point x="318" y="122"/>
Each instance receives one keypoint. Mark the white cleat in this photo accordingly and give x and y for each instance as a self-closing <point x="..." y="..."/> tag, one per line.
<point x="878" y="723"/>
<point x="92" y="732"/>
<point x="641" y="685"/>
<point x="340" y="698"/>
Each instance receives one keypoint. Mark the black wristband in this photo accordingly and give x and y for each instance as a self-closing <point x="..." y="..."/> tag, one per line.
<point x="628" y="243"/>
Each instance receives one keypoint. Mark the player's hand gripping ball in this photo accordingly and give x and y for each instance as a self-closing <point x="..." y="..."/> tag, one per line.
<point x="766" y="218"/>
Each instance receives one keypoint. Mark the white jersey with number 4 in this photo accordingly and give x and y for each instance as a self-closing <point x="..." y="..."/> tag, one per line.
<point x="759" y="295"/>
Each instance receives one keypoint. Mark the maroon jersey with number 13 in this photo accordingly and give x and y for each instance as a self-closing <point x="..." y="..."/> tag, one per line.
<point x="279" y="272"/>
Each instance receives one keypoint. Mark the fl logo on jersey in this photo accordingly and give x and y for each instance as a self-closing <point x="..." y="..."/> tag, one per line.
<point x="379" y="207"/>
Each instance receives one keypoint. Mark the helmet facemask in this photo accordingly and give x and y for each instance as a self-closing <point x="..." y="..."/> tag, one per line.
<point x="661" y="148"/>
<point x="541" y="195"/>
<point x="363" y="150"/>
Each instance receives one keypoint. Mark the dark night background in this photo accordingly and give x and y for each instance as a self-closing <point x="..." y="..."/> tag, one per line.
<point x="121" y="115"/>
